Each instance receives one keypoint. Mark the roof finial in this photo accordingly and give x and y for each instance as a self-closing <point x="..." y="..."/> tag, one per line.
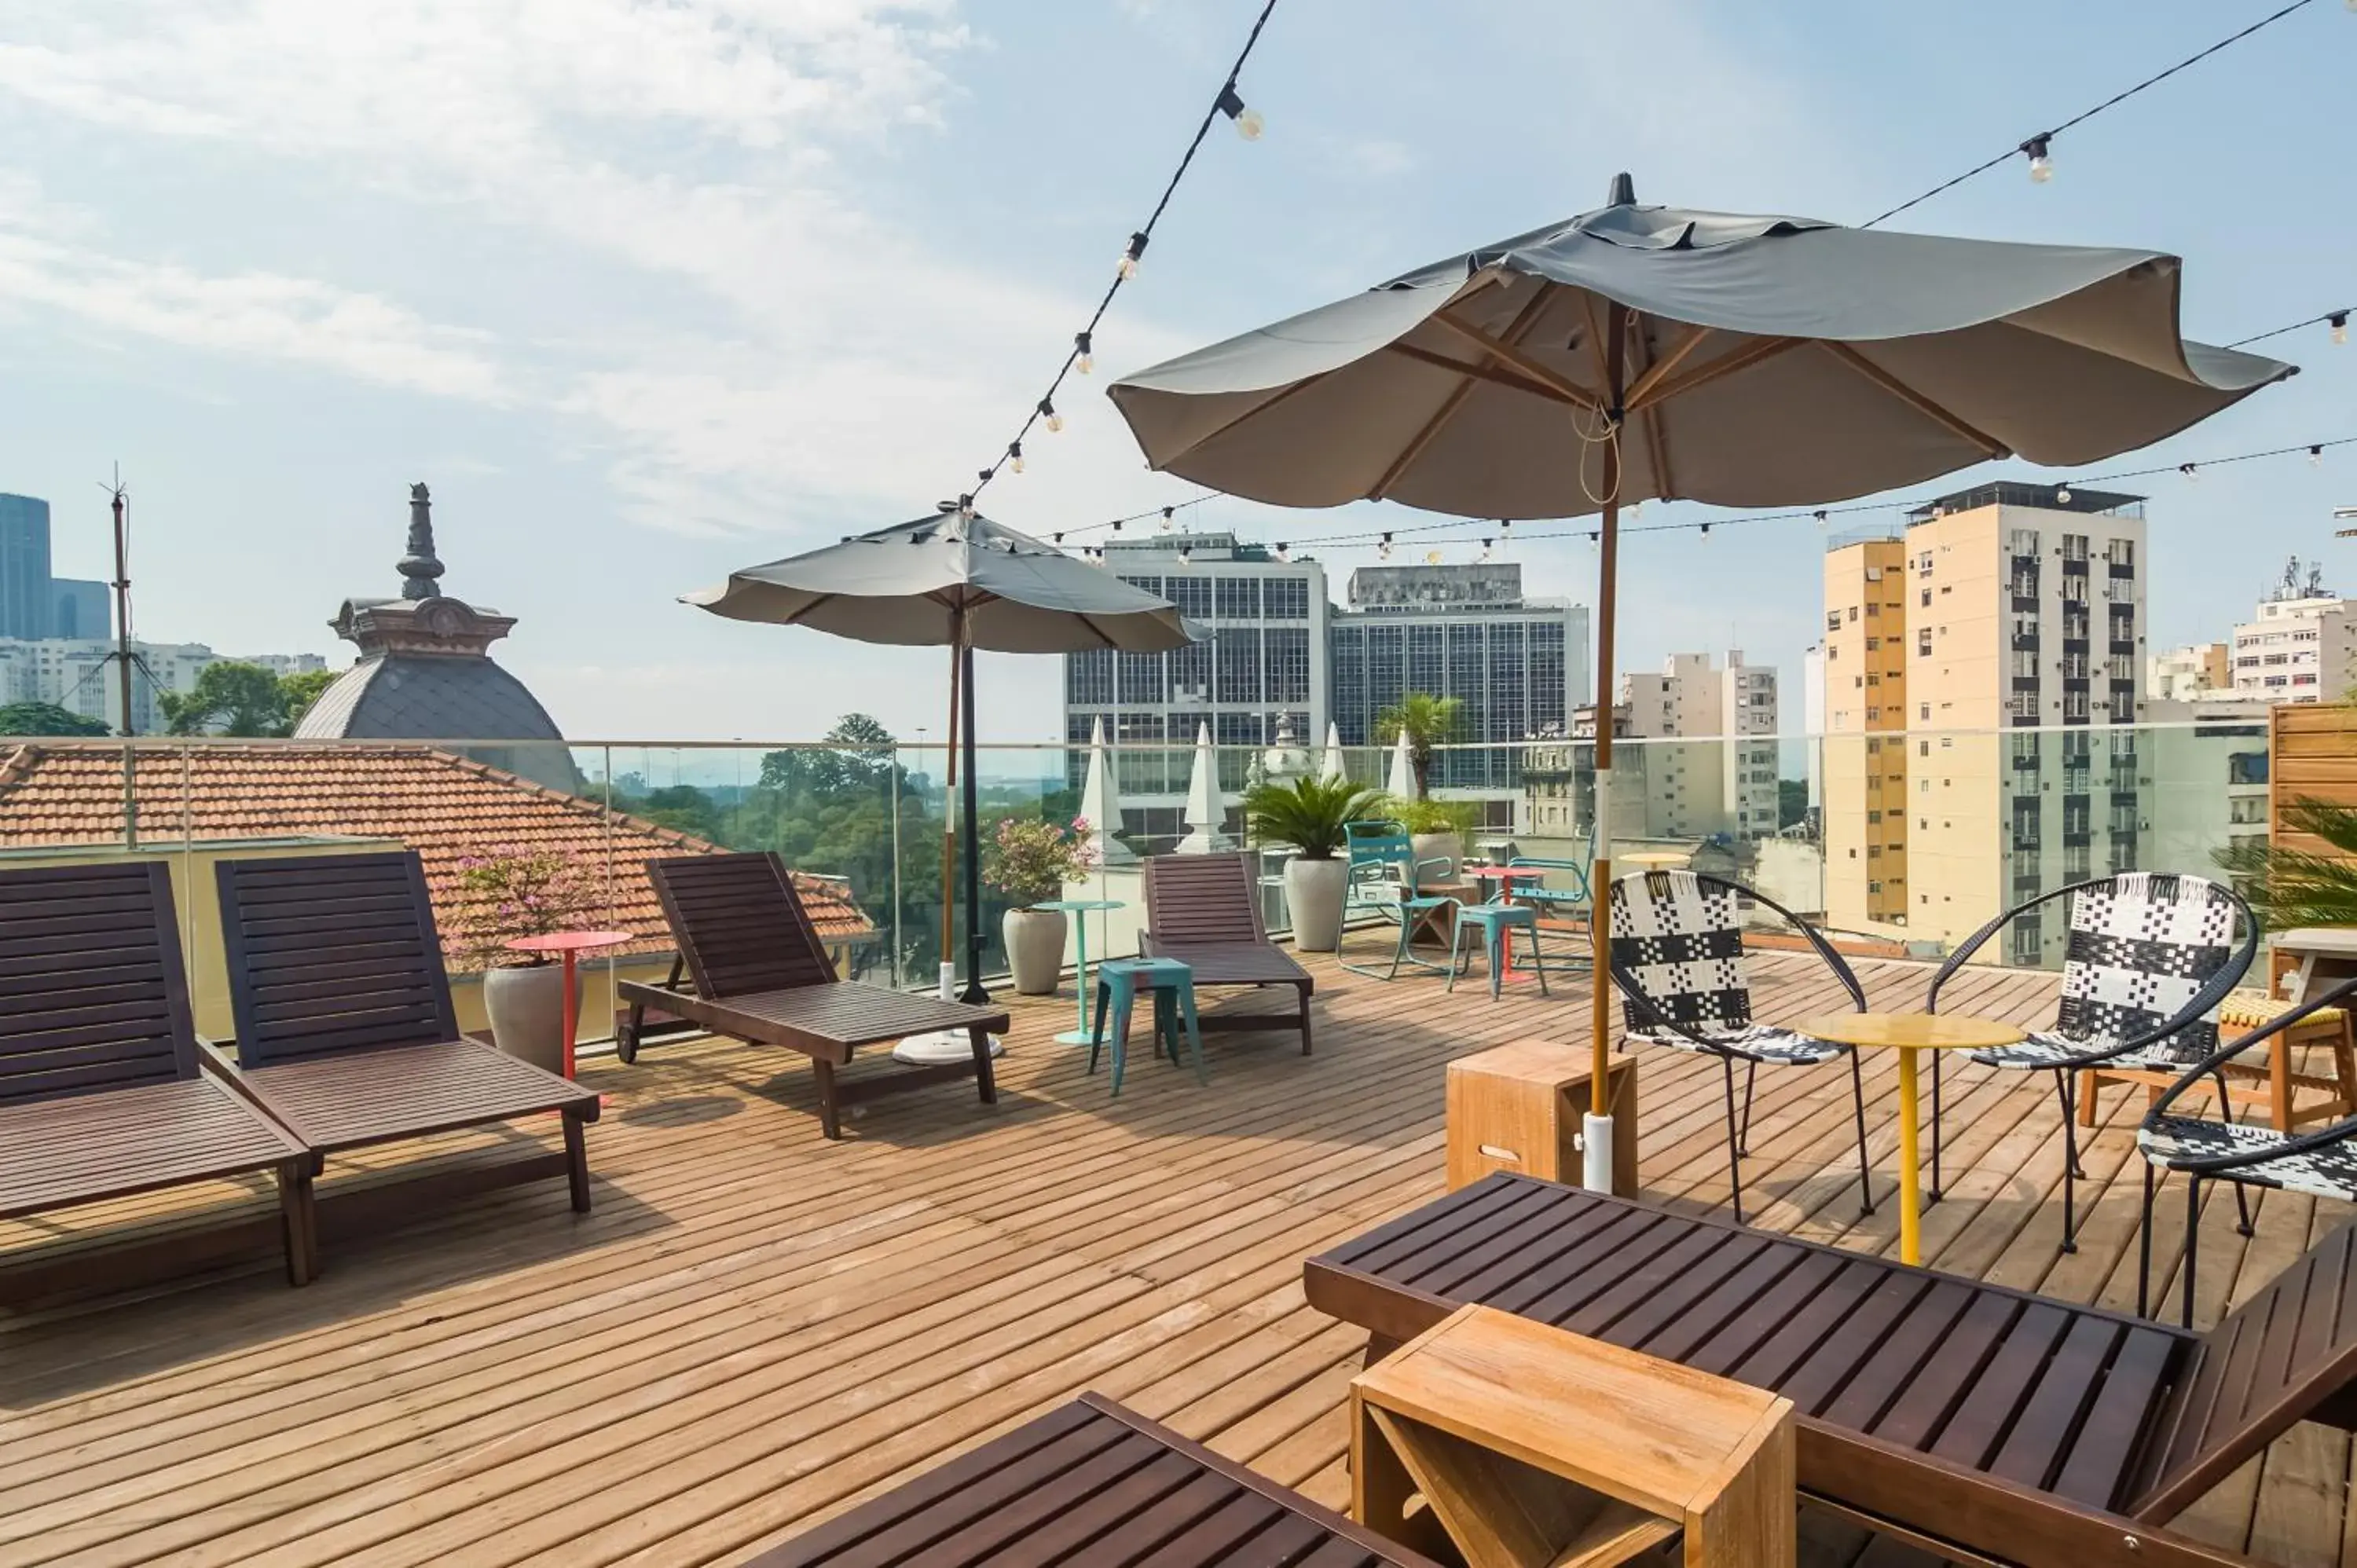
<point x="1623" y="192"/>
<point x="418" y="568"/>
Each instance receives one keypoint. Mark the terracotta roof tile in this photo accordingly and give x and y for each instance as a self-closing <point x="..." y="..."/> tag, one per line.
<point x="441" y="805"/>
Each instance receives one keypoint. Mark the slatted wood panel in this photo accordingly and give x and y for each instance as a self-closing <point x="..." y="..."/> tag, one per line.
<point x="2050" y="1398"/>
<point x="739" y="924"/>
<point x="331" y="954"/>
<point x="92" y="994"/>
<point x="1202" y="898"/>
<point x="757" y="1329"/>
<point x="1089" y="1483"/>
<point x="2311" y="756"/>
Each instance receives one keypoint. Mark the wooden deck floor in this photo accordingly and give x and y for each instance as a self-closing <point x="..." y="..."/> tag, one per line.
<point x="757" y="1328"/>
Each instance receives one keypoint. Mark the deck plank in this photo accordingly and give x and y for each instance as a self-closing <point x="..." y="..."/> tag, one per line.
<point x="757" y="1329"/>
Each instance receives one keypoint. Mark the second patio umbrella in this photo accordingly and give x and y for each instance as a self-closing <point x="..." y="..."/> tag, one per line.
<point x="1762" y="361"/>
<point x="961" y="582"/>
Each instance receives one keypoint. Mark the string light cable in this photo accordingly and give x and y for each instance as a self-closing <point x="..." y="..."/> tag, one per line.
<point x="1082" y="356"/>
<point x="2038" y="148"/>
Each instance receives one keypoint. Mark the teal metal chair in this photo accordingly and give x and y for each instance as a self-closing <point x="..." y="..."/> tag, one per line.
<point x="1385" y="881"/>
<point x="1172" y="986"/>
<point x="1495" y="919"/>
<point x="1570" y="897"/>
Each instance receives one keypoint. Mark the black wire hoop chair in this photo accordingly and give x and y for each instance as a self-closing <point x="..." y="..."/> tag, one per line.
<point x="1677" y="957"/>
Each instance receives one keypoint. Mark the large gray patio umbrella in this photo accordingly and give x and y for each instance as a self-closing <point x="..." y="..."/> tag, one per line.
<point x="1764" y="360"/>
<point x="961" y="582"/>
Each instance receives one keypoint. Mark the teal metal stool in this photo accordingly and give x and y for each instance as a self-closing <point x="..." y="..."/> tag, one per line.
<point x="1495" y="920"/>
<point x="1172" y="984"/>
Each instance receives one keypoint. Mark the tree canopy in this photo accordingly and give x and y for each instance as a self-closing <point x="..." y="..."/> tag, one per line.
<point x="47" y="718"/>
<point x="232" y="697"/>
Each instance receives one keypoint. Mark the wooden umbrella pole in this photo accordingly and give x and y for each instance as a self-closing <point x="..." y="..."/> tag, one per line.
<point x="1600" y="889"/>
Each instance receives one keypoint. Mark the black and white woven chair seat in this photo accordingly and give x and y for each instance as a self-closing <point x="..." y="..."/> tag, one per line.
<point x="1785" y="1048"/>
<point x="2142" y="945"/>
<point x="2052" y="1049"/>
<point x="2330" y="1171"/>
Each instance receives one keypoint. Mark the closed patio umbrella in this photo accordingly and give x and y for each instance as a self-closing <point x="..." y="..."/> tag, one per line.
<point x="1401" y="784"/>
<point x="1637" y="352"/>
<point x="961" y="582"/>
<point x="1331" y="768"/>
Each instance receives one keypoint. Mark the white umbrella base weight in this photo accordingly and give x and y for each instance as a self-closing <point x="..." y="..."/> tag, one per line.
<point x="941" y="1048"/>
<point x="1596" y="1153"/>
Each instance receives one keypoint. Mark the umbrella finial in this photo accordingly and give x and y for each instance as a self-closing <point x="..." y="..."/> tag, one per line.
<point x="1623" y="192"/>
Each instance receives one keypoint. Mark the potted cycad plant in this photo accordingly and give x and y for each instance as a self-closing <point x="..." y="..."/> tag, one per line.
<point x="511" y="896"/>
<point x="1436" y="828"/>
<point x="1313" y="815"/>
<point x="1029" y="860"/>
<point x="2292" y="888"/>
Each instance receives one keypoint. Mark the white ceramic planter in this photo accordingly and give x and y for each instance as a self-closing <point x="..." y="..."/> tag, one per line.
<point x="1313" y="894"/>
<point x="527" y="1010"/>
<point x="1035" y="949"/>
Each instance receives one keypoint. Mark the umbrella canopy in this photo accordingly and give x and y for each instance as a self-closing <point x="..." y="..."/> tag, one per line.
<point x="1401" y="785"/>
<point x="1766" y="361"/>
<point x="1330" y="768"/>
<point x="1101" y="801"/>
<point x="1641" y="352"/>
<point x="947" y="579"/>
<point x="1206" y="815"/>
<point x="961" y="582"/>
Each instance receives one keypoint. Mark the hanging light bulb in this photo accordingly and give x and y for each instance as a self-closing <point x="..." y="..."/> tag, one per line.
<point x="1131" y="257"/>
<point x="1595" y="541"/>
<point x="2316" y="457"/>
<point x="1116" y="525"/>
<point x="1635" y="508"/>
<point x="2339" y="320"/>
<point x="1088" y="360"/>
<point x="1056" y="538"/>
<point x="1166" y="518"/>
<point x="1014" y="456"/>
<point x="1284" y="551"/>
<point x="1505" y="525"/>
<point x="1820" y="515"/>
<point x="1485" y="550"/>
<point x="2042" y="160"/>
<point x="2062" y="495"/>
<point x="1249" y="124"/>
<point x="965" y="506"/>
<point x="1186" y="554"/>
<point x="1706" y="533"/>
<point x="1383" y="549"/>
<point x="1054" y="421"/>
<point x="2189" y="471"/>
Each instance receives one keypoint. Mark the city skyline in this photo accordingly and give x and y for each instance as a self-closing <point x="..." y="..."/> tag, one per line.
<point x="643" y="308"/>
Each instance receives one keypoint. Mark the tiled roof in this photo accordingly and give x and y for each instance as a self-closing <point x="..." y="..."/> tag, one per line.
<point x="442" y="805"/>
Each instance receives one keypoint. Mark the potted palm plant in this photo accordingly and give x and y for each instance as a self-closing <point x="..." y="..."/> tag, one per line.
<point x="2293" y="888"/>
<point x="1312" y="815"/>
<point x="509" y="896"/>
<point x="1029" y="860"/>
<point x="1436" y="828"/>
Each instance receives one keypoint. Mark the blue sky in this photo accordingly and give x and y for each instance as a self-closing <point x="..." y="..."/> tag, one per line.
<point x="648" y="291"/>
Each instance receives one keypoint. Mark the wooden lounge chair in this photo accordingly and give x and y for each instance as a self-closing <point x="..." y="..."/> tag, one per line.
<point x="103" y="1088"/>
<point x="1205" y="910"/>
<point x="762" y="976"/>
<point x="1953" y="1414"/>
<point x="345" y="1030"/>
<point x="1089" y="1483"/>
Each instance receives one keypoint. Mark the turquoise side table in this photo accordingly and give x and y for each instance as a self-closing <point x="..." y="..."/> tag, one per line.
<point x="1172" y="984"/>
<point x="1082" y="907"/>
<point x="1495" y="920"/>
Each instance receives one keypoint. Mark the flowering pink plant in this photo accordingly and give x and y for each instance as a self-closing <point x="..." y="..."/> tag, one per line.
<point x="510" y="896"/>
<point x="1030" y="860"/>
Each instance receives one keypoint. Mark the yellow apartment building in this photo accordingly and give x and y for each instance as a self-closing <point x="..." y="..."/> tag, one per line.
<point x="1865" y="715"/>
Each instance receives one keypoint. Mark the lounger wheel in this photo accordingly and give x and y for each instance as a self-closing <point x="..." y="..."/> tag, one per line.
<point x="626" y="1044"/>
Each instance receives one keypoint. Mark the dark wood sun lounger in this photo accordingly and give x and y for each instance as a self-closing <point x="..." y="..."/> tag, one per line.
<point x="103" y="1088"/>
<point x="1091" y="1483"/>
<point x="345" y="1030"/>
<point x="1944" y="1409"/>
<point x="1205" y="910"/>
<point x="761" y="975"/>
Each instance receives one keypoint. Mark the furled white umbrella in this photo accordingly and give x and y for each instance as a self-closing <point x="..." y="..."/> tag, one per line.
<point x="1206" y="816"/>
<point x="1331" y="768"/>
<point x="1101" y="801"/>
<point x="959" y="581"/>
<point x="1639" y="352"/>
<point x="1401" y="785"/>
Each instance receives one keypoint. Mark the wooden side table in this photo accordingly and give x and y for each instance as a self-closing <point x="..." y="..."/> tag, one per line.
<point x="1532" y="1447"/>
<point x="2276" y="1081"/>
<point x="1519" y="1108"/>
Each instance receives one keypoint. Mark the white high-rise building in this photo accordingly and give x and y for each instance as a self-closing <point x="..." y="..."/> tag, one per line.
<point x="1265" y="660"/>
<point x="1725" y="781"/>
<point x="2303" y="647"/>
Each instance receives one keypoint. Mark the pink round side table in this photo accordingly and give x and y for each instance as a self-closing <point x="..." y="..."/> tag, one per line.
<point x="568" y="946"/>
